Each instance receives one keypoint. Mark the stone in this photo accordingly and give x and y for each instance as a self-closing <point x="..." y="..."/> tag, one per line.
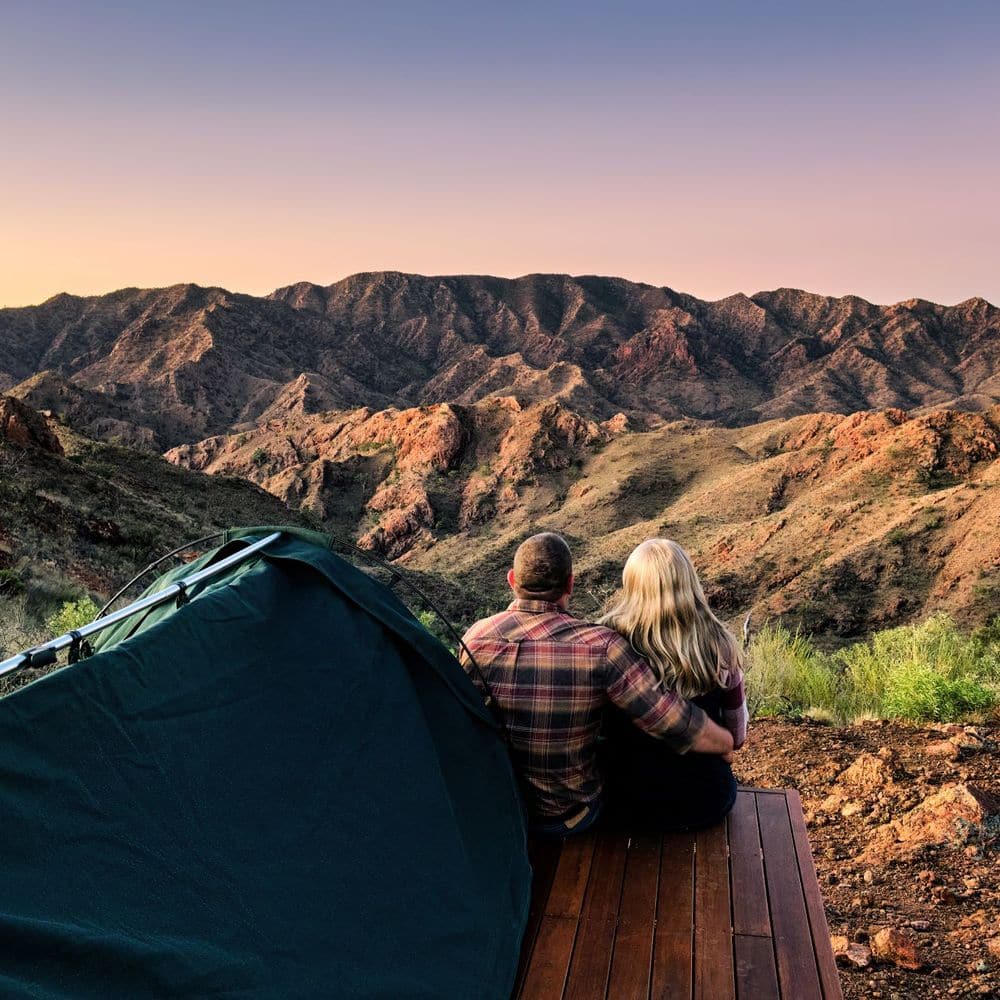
<point x="943" y="895"/>
<point x="850" y="953"/>
<point x="897" y="946"/>
<point x="869" y="774"/>
<point x="943" y="748"/>
<point x="947" y="817"/>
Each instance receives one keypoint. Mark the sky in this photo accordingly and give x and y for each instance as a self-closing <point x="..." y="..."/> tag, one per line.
<point x="714" y="147"/>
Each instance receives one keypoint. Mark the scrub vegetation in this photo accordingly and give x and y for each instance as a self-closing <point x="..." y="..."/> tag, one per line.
<point x="931" y="671"/>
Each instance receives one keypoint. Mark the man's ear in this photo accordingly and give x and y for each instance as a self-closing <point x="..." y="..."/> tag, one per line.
<point x="511" y="580"/>
<point x="569" y="585"/>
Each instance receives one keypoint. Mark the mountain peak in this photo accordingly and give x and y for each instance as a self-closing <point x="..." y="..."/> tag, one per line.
<point x="187" y="361"/>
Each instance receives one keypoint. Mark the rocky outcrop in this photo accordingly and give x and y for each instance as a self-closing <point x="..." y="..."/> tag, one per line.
<point x="953" y="815"/>
<point x="408" y="473"/>
<point x="25" y="428"/>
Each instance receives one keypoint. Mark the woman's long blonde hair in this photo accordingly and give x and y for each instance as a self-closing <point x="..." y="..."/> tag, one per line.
<point x="662" y="611"/>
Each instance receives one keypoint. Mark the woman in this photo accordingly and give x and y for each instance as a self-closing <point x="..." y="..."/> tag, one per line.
<point x="663" y="613"/>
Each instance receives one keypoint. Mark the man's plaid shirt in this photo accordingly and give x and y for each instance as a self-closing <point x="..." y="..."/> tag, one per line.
<point x="551" y="675"/>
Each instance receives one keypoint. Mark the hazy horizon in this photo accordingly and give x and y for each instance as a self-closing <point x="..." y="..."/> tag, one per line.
<point x="711" y="147"/>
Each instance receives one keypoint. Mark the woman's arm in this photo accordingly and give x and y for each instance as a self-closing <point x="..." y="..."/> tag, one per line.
<point x="735" y="716"/>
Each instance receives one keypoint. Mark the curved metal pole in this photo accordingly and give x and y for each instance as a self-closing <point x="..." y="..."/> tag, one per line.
<point x="135" y="579"/>
<point x="45" y="654"/>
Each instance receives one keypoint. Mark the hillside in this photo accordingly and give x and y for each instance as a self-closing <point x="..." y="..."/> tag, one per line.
<point x="82" y="516"/>
<point x="829" y="461"/>
<point x="164" y="367"/>
<point x="841" y="524"/>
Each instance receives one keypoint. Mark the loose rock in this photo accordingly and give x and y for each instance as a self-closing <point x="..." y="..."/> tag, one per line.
<point x="896" y="946"/>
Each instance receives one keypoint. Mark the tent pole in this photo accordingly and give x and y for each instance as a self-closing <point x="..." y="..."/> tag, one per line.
<point x="45" y="654"/>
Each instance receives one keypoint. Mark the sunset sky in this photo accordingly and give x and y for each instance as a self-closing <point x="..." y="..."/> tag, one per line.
<point x="842" y="147"/>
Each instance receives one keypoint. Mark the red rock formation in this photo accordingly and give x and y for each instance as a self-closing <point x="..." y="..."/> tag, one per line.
<point x="25" y="428"/>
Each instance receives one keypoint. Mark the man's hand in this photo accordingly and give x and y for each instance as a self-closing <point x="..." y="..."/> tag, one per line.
<point x="713" y="738"/>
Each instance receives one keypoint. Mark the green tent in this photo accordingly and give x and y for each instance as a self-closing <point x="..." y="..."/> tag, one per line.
<point x="284" y="787"/>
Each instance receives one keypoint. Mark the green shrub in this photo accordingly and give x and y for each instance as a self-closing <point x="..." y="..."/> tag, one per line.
<point x="72" y="615"/>
<point x="897" y="536"/>
<point x="436" y="627"/>
<point x="370" y="447"/>
<point x="788" y="674"/>
<point x="260" y="457"/>
<point x="920" y="694"/>
<point x="931" y="671"/>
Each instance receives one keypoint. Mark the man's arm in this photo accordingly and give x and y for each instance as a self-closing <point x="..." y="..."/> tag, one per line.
<point x="634" y="687"/>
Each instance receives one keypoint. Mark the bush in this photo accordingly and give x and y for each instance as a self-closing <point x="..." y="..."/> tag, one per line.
<point x="260" y="457"/>
<point x="19" y="630"/>
<point x="370" y="447"/>
<point x="926" y="672"/>
<point x="921" y="694"/>
<point x="789" y="675"/>
<point x="11" y="584"/>
<point x="894" y="673"/>
<point x="72" y="615"/>
<point x="436" y="627"/>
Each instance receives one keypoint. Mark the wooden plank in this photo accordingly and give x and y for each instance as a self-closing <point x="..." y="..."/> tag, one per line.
<point x="572" y="874"/>
<point x="673" y="939"/>
<point x="828" y="975"/>
<point x="756" y="976"/>
<point x="797" y="972"/>
<point x="713" y="933"/>
<point x="595" y="937"/>
<point x="543" y="853"/>
<point x="750" y="915"/>
<point x="633" y="954"/>
<point x="545" y="977"/>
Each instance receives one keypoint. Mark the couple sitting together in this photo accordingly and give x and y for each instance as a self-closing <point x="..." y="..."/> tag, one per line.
<point x="638" y="714"/>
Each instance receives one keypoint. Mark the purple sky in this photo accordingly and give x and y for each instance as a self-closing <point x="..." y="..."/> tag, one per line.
<point x="712" y="147"/>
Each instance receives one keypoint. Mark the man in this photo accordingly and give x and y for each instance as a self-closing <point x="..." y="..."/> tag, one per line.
<point x="552" y="675"/>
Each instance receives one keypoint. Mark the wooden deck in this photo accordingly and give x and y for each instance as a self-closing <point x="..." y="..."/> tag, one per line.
<point x="731" y="913"/>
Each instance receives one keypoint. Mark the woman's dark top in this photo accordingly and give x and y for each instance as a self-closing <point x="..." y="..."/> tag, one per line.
<point x="648" y="782"/>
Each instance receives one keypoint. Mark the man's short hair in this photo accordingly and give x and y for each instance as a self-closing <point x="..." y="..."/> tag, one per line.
<point x="543" y="565"/>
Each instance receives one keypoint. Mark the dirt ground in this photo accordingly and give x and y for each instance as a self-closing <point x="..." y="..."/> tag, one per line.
<point x="904" y="830"/>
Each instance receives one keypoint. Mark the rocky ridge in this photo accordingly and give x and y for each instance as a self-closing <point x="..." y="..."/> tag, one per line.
<point x="842" y="523"/>
<point x="183" y="363"/>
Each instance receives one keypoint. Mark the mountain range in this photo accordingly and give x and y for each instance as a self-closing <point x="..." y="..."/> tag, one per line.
<point x="826" y="460"/>
<point x="169" y="366"/>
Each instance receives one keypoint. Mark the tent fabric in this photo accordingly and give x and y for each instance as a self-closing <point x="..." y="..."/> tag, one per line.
<point x="283" y="788"/>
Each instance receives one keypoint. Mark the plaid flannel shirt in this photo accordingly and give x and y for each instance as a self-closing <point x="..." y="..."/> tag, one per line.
<point x="551" y="675"/>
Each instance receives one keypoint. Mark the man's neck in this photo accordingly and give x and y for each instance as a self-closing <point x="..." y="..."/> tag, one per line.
<point x="562" y="604"/>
